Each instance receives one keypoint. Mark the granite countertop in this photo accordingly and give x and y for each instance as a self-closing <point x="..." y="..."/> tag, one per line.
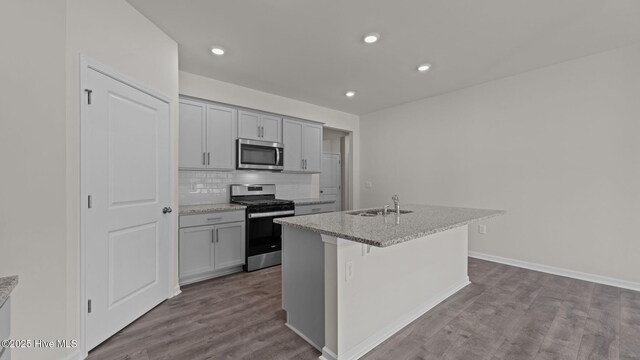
<point x="312" y="201"/>
<point x="425" y="220"/>
<point x="209" y="208"/>
<point x="7" y="284"/>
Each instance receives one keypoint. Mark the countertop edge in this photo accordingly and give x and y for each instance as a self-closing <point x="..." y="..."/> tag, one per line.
<point x="7" y="284"/>
<point x="392" y="241"/>
<point x="303" y="202"/>
<point x="208" y="209"/>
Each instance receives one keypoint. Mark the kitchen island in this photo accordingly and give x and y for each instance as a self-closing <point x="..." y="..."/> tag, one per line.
<point x="352" y="279"/>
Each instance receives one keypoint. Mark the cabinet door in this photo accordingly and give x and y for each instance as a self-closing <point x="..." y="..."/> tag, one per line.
<point x="312" y="152"/>
<point x="230" y="245"/>
<point x="192" y="124"/>
<point x="248" y="125"/>
<point x="271" y="128"/>
<point x="221" y="135"/>
<point x="292" y="140"/>
<point x="196" y="250"/>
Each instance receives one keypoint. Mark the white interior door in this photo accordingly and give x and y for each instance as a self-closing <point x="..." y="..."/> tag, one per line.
<point x="330" y="179"/>
<point x="126" y="172"/>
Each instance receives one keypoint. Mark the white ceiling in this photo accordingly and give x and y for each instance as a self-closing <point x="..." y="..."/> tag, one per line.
<point x="312" y="50"/>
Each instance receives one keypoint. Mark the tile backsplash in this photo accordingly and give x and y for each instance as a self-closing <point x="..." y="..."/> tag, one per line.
<point x="211" y="187"/>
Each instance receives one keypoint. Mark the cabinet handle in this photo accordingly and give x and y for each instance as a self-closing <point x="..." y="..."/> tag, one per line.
<point x="203" y="159"/>
<point x="217" y="239"/>
<point x="213" y="235"/>
<point x="258" y="131"/>
<point x="261" y="131"/>
<point x="302" y="164"/>
<point x="317" y="209"/>
<point x="208" y="158"/>
<point x="214" y="219"/>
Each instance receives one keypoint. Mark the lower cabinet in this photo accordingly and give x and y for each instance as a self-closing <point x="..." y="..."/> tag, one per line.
<point x="228" y="250"/>
<point x="208" y="251"/>
<point x="314" y="209"/>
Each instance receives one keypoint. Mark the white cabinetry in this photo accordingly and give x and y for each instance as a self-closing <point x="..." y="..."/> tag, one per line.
<point x="207" y="135"/>
<point x="228" y="250"/>
<point x="211" y="245"/>
<point x="314" y="209"/>
<point x="257" y="126"/>
<point x="302" y="146"/>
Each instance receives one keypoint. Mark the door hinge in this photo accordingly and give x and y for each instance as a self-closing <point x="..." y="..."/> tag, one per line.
<point x="90" y="201"/>
<point x="88" y="91"/>
<point x="89" y="306"/>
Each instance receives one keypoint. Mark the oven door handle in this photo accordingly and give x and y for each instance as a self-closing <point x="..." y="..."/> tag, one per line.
<point x="277" y="156"/>
<point x="271" y="214"/>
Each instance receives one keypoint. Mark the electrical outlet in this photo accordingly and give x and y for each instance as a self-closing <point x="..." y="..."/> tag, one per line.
<point x="482" y="229"/>
<point x="349" y="270"/>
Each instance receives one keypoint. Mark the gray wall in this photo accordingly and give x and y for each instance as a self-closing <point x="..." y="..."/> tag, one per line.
<point x="558" y="148"/>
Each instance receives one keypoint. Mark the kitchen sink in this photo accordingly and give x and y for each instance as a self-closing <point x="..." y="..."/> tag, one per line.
<point x="375" y="212"/>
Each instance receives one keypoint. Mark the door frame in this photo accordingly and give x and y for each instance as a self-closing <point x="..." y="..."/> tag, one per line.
<point x="173" y="288"/>
<point x="348" y="161"/>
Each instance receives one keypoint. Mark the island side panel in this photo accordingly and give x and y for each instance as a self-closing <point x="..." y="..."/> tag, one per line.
<point x="303" y="283"/>
<point x="330" y="298"/>
<point x="391" y="286"/>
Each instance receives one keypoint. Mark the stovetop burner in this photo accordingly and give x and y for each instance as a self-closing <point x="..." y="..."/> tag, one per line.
<point x="261" y="195"/>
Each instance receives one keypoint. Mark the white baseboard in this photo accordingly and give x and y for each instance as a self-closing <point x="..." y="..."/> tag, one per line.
<point x="186" y="280"/>
<point x="328" y="354"/>
<point x="176" y="291"/>
<point x="292" y="328"/>
<point x="386" y="332"/>
<point x="625" y="284"/>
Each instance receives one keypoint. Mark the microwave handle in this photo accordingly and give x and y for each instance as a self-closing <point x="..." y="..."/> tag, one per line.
<point x="277" y="156"/>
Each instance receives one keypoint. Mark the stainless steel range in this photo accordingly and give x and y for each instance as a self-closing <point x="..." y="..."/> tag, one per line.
<point x="264" y="237"/>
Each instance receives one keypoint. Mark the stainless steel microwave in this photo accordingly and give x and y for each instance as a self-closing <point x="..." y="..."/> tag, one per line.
<point x="260" y="155"/>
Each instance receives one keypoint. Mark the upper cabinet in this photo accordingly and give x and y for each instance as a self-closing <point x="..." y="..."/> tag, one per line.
<point x="208" y="133"/>
<point x="192" y="135"/>
<point x="302" y="146"/>
<point x="207" y="136"/>
<point x="257" y="126"/>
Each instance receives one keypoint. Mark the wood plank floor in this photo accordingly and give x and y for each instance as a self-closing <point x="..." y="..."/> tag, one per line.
<point x="506" y="313"/>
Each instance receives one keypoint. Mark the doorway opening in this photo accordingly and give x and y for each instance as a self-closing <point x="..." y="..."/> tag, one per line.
<point x="334" y="178"/>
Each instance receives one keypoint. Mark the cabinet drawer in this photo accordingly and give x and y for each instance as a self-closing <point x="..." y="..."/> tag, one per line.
<point x="314" y="209"/>
<point x="211" y="218"/>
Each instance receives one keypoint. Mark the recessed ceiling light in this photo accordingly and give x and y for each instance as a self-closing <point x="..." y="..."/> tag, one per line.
<point x="350" y="93"/>
<point x="371" y="38"/>
<point x="424" y="67"/>
<point x="217" y="51"/>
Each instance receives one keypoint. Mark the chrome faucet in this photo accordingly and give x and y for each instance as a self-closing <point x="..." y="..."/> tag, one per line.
<point x="396" y="203"/>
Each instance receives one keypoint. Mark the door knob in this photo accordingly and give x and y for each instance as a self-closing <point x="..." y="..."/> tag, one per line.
<point x="167" y="210"/>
